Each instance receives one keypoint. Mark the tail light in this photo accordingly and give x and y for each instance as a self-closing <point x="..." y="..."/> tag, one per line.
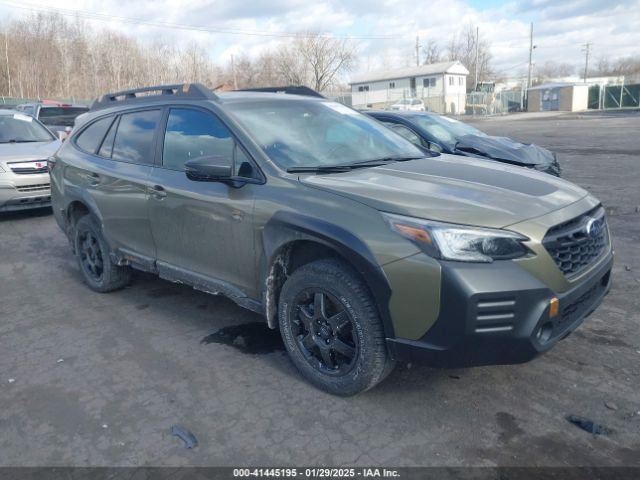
<point x="51" y="162"/>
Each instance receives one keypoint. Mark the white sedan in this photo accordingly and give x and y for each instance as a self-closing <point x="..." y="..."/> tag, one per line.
<point x="414" y="104"/>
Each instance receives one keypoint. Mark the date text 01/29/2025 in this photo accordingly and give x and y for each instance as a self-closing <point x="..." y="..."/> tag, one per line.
<point x="316" y="472"/>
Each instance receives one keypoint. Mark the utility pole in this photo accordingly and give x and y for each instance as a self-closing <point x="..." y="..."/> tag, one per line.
<point x="586" y="48"/>
<point x="6" y="53"/>
<point x="475" y="87"/>
<point x="526" y="92"/>
<point x="233" y="71"/>
<point x="417" y="51"/>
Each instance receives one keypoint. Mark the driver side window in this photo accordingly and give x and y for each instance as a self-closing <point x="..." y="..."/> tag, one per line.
<point x="406" y="133"/>
<point x="191" y="134"/>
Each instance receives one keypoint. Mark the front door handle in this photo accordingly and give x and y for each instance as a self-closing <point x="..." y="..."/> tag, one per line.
<point x="158" y="191"/>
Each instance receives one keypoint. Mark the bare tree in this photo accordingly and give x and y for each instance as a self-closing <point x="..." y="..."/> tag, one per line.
<point x="48" y="56"/>
<point x="629" y="67"/>
<point x="431" y="52"/>
<point x="462" y="47"/>
<point x="551" y="69"/>
<point x="315" y="60"/>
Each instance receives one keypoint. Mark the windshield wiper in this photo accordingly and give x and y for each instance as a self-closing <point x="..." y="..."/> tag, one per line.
<point x="320" y="169"/>
<point x="381" y="161"/>
<point x="13" y="140"/>
<point x="345" y="167"/>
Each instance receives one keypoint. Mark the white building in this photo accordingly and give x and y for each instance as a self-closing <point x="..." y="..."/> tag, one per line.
<point x="442" y="87"/>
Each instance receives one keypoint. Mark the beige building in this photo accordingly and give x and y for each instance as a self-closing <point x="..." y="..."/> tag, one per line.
<point x="566" y="97"/>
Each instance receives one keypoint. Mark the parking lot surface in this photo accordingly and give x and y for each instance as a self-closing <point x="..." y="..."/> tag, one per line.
<point x="91" y="379"/>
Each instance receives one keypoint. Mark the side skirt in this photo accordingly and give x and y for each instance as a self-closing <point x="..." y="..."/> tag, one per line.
<point x="195" y="280"/>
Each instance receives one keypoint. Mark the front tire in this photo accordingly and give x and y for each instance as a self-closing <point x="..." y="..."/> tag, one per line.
<point x="331" y="328"/>
<point x="92" y="252"/>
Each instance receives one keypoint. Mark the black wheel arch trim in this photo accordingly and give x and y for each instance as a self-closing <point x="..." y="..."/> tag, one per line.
<point x="81" y="196"/>
<point x="285" y="228"/>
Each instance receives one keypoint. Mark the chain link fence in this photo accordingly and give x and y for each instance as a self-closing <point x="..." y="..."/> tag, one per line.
<point x="603" y="97"/>
<point x="495" y="103"/>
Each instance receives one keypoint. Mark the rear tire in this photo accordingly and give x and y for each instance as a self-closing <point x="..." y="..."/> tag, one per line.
<point x="92" y="252"/>
<point x="331" y="328"/>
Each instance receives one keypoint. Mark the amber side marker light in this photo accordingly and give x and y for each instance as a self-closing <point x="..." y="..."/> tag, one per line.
<point x="416" y="233"/>
<point x="554" y="304"/>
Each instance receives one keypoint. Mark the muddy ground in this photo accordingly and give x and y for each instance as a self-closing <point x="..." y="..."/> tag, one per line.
<point x="90" y="379"/>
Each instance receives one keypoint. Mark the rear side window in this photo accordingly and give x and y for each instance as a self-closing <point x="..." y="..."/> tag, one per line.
<point x="191" y="134"/>
<point x="91" y="137"/>
<point x="134" y="137"/>
<point x="107" y="144"/>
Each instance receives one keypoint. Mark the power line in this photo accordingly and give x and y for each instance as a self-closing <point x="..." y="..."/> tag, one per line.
<point x="179" y="26"/>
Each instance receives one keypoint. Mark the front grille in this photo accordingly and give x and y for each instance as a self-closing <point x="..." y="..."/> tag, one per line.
<point x="29" y="171"/>
<point x="34" y="188"/>
<point x="575" y="244"/>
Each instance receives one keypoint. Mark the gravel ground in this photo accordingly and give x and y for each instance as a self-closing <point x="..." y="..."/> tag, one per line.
<point x="98" y="380"/>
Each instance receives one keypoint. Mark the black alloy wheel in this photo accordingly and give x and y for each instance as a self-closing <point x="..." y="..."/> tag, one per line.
<point x="324" y="332"/>
<point x="90" y="255"/>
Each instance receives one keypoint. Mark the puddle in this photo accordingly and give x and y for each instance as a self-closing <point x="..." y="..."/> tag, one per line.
<point x="254" y="338"/>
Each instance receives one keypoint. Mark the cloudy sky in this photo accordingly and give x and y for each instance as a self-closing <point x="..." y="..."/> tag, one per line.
<point x="560" y="27"/>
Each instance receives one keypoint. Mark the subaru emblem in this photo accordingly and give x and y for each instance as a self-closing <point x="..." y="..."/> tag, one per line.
<point x="594" y="227"/>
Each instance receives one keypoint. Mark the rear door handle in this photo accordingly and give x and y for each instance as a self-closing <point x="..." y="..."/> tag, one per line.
<point x="158" y="191"/>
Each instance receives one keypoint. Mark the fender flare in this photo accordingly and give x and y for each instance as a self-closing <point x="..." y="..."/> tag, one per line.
<point x="284" y="228"/>
<point x="83" y="197"/>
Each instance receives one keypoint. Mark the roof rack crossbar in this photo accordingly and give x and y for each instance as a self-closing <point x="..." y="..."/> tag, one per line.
<point x="290" y="89"/>
<point x="191" y="91"/>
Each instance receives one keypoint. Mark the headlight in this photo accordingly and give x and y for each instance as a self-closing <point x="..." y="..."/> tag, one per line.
<point x="458" y="242"/>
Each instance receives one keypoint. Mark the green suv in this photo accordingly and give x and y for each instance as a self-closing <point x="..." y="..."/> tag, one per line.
<point x="363" y="249"/>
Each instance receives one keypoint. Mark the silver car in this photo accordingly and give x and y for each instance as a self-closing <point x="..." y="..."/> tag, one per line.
<point x="25" y="146"/>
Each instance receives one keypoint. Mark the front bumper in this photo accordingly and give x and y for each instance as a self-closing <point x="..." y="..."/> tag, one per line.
<point x="20" y="192"/>
<point x="499" y="314"/>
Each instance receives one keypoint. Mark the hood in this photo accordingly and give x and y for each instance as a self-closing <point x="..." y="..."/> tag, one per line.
<point x="454" y="189"/>
<point x="20" y="152"/>
<point x="503" y="148"/>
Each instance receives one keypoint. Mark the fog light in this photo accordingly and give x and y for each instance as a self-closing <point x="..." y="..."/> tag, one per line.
<point x="544" y="333"/>
<point x="554" y="304"/>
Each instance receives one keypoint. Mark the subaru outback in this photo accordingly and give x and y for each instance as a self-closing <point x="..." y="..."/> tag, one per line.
<point x="360" y="247"/>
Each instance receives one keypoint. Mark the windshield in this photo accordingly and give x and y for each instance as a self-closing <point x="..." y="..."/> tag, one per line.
<point x="444" y="129"/>
<point x="60" y="116"/>
<point x="21" y="128"/>
<point x="296" y="133"/>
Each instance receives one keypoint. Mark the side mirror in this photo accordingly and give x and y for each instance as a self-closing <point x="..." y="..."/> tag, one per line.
<point x="434" y="147"/>
<point x="210" y="168"/>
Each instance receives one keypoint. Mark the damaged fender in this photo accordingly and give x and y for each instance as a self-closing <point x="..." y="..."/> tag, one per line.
<point x="280" y="235"/>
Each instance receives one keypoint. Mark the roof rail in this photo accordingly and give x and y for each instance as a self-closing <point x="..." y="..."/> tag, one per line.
<point x="188" y="91"/>
<point x="290" y="89"/>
